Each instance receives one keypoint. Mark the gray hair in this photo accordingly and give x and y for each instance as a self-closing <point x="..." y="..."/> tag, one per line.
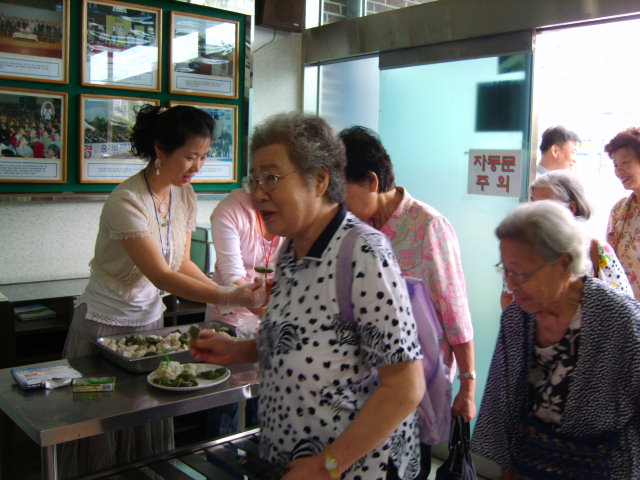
<point x="565" y="187"/>
<point x="550" y="230"/>
<point x="312" y="146"/>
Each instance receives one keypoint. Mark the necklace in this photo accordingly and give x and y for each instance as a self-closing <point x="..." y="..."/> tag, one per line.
<point x="164" y="246"/>
<point x="267" y="256"/>
<point x="161" y="203"/>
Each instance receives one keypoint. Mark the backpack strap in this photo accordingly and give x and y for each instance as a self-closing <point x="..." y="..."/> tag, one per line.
<point x="344" y="270"/>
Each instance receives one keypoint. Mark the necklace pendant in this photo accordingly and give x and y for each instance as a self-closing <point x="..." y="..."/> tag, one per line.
<point x="162" y="208"/>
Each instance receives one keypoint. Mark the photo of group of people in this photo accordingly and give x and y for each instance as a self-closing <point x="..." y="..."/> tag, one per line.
<point x="30" y="126"/>
<point x="32" y="39"/>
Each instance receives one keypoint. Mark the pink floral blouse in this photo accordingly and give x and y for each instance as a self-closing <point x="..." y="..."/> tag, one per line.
<point x="623" y="233"/>
<point x="427" y="247"/>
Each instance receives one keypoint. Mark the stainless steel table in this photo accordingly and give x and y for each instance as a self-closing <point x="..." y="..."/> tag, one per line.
<point x="51" y="417"/>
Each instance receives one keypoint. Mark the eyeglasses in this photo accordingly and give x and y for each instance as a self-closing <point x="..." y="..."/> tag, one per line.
<point x="518" y="278"/>
<point x="267" y="181"/>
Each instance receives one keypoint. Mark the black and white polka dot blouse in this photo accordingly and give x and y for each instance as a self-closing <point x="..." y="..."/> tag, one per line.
<point x="317" y="369"/>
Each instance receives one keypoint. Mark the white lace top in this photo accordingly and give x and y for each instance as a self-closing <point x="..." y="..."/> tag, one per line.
<point x="118" y="293"/>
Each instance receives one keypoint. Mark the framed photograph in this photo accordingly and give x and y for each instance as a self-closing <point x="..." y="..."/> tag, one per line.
<point x="121" y="46"/>
<point x="222" y="162"/>
<point x="204" y="56"/>
<point x="105" y="129"/>
<point x="33" y="136"/>
<point x="34" y="40"/>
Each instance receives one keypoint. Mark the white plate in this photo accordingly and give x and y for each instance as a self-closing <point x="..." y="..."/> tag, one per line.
<point x="202" y="382"/>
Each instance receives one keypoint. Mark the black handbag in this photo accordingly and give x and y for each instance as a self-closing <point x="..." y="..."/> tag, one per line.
<point x="459" y="465"/>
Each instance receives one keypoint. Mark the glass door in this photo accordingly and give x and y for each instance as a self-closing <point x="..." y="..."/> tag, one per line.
<point x="430" y="117"/>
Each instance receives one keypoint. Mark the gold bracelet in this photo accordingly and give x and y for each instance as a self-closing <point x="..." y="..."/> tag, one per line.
<point x="331" y="464"/>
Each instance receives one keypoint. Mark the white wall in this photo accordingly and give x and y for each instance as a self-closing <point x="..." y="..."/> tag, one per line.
<point x="54" y="240"/>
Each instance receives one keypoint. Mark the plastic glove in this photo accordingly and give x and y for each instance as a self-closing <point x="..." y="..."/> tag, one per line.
<point x="252" y="295"/>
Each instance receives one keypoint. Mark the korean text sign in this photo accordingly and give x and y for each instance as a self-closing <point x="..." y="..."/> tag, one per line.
<point x="495" y="172"/>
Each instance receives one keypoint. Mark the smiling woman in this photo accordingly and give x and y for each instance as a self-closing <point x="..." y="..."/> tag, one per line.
<point x="623" y="231"/>
<point x="142" y="250"/>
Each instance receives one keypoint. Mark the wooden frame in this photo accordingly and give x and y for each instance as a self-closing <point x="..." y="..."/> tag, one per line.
<point x="204" y="55"/>
<point x="121" y="45"/>
<point x="34" y="41"/>
<point x="105" y="127"/>
<point x="222" y="163"/>
<point x="33" y="136"/>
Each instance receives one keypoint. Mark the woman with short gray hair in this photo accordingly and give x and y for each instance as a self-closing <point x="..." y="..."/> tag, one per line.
<point x="565" y="187"/>
<point x="338" y="398"/>
<point x="563" y="390"/>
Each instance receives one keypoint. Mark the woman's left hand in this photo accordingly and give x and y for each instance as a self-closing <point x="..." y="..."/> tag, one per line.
<point x="307" y="468"/>
<point x="464" y="406"/>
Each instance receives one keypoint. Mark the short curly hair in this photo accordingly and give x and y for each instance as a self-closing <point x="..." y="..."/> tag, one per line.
<point x="312" y="146"/>
<point x="629" y="138"/>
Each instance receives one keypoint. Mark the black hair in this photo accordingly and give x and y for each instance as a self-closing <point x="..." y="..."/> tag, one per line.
<point x="557" y="136"/>
<point x="168" y="128"/>
<point x="365" y="153"/>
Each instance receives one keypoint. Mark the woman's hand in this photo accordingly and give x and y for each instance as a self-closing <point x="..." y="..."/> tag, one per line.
<point x="221" y="348"/>
<point x="464" y="405"/>
<point x="251" y="295"/>
<point x="307" y="468"/>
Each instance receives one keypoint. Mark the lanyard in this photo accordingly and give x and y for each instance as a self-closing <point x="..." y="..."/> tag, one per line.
<point x="267" y="256"/>
<point x="165" y="247"/>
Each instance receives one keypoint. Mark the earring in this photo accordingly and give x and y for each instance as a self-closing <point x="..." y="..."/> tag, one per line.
<point x="157" y="165"/>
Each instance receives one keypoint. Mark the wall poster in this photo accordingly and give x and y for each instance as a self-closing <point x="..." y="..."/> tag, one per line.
<point x="34" y="43"/>
<point x="222" y="162"/>
<point x="105" y="129"/>
<point x="121" y="44"/>
<point x="32" y="136"/>
<point x="204" y="56"/>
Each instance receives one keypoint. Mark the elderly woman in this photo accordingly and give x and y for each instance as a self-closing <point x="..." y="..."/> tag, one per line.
<point x="623" y="232"/>
<point x="426" y="247"/>
<point x="337" y="399"/>
<point x="565" y="187"/>
<point x="565" y="374"/>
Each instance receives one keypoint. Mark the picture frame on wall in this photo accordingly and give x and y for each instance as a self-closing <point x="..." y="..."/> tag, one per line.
<point x="121" y="45"/>
<point x="222" y="163"/>
<point x="34" y="40"/>
<point x="204" y="55"/>
<point x="105" y="130"/>
<point x="33" y="147"/>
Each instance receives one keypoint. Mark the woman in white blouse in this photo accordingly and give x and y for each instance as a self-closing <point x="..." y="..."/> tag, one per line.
<point x="142" y="251"/>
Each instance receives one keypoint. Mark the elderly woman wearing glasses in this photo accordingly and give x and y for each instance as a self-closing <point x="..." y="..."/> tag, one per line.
<point x="563" y="395"/>
<point x="337" y="398"/>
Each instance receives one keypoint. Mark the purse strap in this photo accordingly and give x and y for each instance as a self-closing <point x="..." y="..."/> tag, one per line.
<point x="595" y="256"/>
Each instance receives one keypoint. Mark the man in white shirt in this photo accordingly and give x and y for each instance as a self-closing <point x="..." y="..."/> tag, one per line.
<point x="558" y="149"/>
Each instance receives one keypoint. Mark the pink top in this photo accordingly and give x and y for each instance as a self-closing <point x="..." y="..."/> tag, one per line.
<point x="427" y="247"/>
<point x="240" y="247"/>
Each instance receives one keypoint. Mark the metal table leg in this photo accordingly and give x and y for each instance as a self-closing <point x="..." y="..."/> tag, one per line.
<point x="49" y="463"/>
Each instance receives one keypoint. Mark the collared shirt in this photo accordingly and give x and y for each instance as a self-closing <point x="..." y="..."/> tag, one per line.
<point x="317" y="368"/>
<point x="426" y="247"/>
<point x="540" y="170"/>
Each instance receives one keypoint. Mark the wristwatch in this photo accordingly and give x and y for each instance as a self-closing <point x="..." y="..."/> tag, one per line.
<point x="471" y="375"/>
<point x="331" y="464"/>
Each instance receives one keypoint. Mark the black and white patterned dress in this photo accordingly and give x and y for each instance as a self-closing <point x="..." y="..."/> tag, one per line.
<point x="318" y="369"/>
<point x="604" y="390"/>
